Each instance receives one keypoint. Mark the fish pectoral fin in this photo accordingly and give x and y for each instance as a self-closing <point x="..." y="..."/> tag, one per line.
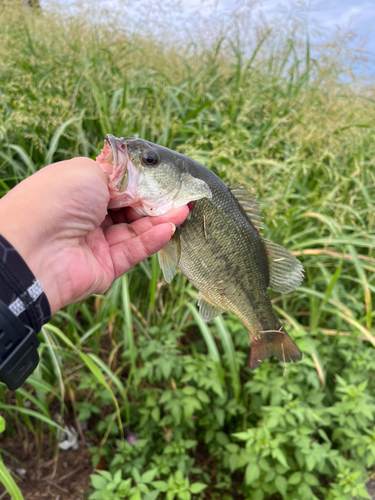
<point x="272" y="343"/>
<point x="248" y="203"/>
<point x="169" y="256"/>
<point x="207" y="310"/>
<point x="286" y="271"/>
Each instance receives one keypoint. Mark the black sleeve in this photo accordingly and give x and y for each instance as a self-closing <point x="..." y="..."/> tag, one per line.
<point x="20" y="290"/>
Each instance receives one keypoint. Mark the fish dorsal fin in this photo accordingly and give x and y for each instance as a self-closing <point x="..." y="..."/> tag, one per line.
<point x="286" y="271"/>
<point x="248" y="202"/>
<point x="169" y="256"/>
<point x="207" y="310"/>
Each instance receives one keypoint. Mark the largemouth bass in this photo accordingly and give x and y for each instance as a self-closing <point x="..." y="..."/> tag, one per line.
<point x="219" y="247"/>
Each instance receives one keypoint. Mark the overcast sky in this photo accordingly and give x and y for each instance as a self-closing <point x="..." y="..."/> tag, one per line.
<point x="356" y="15"/>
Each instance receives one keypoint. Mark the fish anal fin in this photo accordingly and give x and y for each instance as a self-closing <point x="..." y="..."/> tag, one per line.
<point x="248" y="203"/>
<point x="207" y="310"/>
<point x="286" y="271"/>
<point x="272" y="343"/>
<point x="169" y="256"/>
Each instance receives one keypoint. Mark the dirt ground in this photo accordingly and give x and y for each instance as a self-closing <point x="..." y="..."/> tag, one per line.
<point x="65" y="477"/>
<point x="371" y="489"/>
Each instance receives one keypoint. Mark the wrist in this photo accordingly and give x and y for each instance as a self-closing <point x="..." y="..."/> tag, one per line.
<point x="21" y="230"/>
<point x="20" y="290"/>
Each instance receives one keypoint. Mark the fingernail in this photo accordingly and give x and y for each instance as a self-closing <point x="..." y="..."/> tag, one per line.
<point x="173" y="227"/>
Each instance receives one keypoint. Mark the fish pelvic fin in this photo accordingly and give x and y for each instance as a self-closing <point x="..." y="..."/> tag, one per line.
<point x="272" y="343"/>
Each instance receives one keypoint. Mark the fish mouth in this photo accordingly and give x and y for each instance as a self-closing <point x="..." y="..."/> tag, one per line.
<point x="114" y="159"/>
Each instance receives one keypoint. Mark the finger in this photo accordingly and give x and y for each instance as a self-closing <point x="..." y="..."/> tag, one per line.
<point x="128" y="253"/>
<point x="119" y="232"/>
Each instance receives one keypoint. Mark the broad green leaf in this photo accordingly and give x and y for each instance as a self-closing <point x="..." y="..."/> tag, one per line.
<point x="295" y="478"/>
<point x="160" y="485"/>
<point x="149" y="475"/>
<point x="252" y="473"/>
<point x="197" y="487"/>
<point x="281" y="484"/>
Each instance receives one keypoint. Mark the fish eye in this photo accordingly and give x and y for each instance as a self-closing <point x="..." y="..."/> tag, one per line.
<point x="149" y="158"/>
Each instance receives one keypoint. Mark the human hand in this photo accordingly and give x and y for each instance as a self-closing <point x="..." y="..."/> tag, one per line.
<point x="56" y="219"/>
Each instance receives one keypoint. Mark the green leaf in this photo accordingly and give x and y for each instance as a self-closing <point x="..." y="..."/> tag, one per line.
<point x="8" y="482"/>
<point x="311" y="479"/>
<point x="128" y="324"/>
<point x="97" y="481"/>
<point x="56" y="137"/>
<point x="222" y="438"/>
<point x="184" y="495"/>
<point x="160" y="485"/>
<point x="90" y="363"/>
<point x="281" y="484"/>
<point x="31" y="413"/>
<point x="279" y="455"/>
<point x="210" y="342"/>
<point x="136" y="496"/>
<point x="264" y="465"/>
<point x="257" y="495"/>
<point x="231" y="354"/>
<point x="149" y="475"/>
<point x="152" y="495"/>
<point x="197" y="487"/>
<point x="203" y="397"/>
<point x="155" y="414"/>
<point x="136" y="475"/>
<point x="242" y="436"/>
<point x="252" y="473"/>
<point x="232" y="448"/>
<point x="295" y="478"/>
<point x="2" y="424"/>
<point x="179" y="476"/>
<point x="189" y="390"/>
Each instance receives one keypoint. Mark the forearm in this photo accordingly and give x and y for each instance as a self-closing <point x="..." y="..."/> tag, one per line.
<point x="22" y="227"/>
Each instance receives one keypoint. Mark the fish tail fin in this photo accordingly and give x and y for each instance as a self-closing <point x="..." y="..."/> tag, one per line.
<point x="272" y="343"/>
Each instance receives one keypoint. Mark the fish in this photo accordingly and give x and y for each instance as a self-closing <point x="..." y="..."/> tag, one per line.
<point x="219" y="247"/>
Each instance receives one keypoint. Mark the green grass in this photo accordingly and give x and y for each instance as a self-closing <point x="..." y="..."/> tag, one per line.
<point x="263" y="109"/>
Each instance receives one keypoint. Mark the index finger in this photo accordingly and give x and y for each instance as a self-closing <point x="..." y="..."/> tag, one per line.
<point x="122" y="232"/>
